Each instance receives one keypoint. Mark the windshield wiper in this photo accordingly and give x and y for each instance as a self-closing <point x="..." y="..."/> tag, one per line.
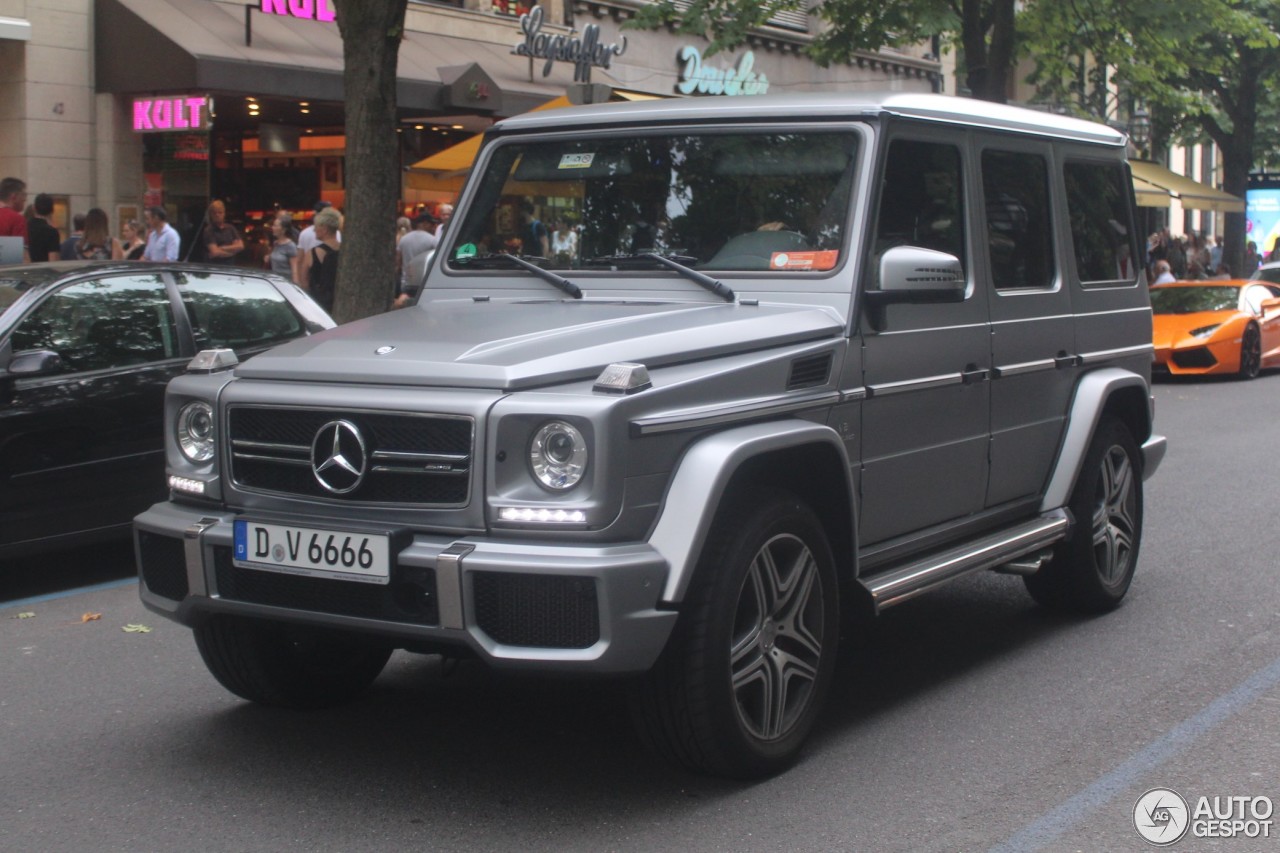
<point x="546" y="275"/>
<point x="673" y="262"/>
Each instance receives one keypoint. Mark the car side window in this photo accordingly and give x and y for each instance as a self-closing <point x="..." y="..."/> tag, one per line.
<point x="1101" y="230"/>
<point x="1254" y="297"/>
<point x="1019" y="233"/>
<point x="236" y="311"/>
<point x="115" y="321"/>
<point x="922" y="198"/>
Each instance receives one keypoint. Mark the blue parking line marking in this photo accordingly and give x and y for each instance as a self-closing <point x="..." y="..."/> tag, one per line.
<point x="1055" y="823"/>
<point x="37" y="599"/>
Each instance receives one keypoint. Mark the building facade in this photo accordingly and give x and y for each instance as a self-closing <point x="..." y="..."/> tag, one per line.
<point x="121" y="104"/>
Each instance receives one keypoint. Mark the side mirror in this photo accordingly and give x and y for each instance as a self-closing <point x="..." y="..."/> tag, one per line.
<point x="1269" y="305"/>
<point x="40" y="362"/>
<point x="910" y="274"/>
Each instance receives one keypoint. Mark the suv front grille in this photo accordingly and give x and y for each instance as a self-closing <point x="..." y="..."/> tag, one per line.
<point x="419" y="460"/>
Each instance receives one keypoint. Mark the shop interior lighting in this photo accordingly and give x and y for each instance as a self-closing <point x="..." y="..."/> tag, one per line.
<point x="417" y="127"/>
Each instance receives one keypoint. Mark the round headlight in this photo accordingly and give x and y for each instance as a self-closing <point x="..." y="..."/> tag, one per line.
<point x="195" y="431"/>
<point x="558" y="455"/>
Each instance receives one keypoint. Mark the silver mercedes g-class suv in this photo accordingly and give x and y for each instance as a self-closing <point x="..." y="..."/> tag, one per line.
<point x="687" y="381"/>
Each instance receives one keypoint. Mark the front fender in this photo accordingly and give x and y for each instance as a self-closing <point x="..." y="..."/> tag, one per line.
<point x="703" y="475"/>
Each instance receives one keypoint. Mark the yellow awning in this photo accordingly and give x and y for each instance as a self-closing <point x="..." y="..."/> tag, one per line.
<point x="1191" y="193"/>
<point x="458" y="158"/>
<point x="1149" y="195"/>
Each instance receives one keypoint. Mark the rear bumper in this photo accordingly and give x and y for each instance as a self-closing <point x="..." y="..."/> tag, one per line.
<point x="516" y="604"/>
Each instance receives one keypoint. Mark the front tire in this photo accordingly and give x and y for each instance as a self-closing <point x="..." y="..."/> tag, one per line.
<point x="1091" y="571"/>
<point x="742" y="681"/>
<point x="1250" y="353"/>
<point x="288" y="667"/>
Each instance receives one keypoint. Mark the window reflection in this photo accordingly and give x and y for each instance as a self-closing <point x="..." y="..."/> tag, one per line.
<point x="104" y="323"/>
<point x="719" y="200"/>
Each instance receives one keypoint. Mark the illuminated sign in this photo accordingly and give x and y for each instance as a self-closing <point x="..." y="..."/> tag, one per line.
<point x="583" y="52"/>
<point x="311" y="10"/>
<point x="159" y="115"/>
<point x="708" y="80"/>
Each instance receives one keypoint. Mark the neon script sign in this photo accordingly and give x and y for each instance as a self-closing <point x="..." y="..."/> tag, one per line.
<point x="709" y="80"/>
<point x="310" y="10"/>
<point x="157" y="115"/>
<point x="583" y="52"/>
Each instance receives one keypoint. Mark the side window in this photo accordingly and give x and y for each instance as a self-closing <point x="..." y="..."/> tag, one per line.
<point x="104" y="323"/>
<point x="922" y="199"/>
<point x="1019" y="232"/>
<point x="1101" y="230"/>
<point x="236" y="311"/>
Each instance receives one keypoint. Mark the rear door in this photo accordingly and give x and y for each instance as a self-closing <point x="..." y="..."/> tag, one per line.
<point x="1032" y="329"/>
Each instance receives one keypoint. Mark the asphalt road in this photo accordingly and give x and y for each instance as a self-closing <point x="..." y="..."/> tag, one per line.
<point x="970" y="720"/>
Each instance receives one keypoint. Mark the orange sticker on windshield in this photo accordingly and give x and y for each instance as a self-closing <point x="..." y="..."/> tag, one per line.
<point x="823" y="260"/>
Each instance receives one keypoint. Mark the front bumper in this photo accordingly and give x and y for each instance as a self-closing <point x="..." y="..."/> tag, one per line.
<point x="516" y="604"/>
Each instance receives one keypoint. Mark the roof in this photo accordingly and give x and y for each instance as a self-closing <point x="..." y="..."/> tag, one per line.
<point x="798" y="107"/>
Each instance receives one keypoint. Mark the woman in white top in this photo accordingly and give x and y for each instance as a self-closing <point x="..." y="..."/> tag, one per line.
<point x="564" y="244"/>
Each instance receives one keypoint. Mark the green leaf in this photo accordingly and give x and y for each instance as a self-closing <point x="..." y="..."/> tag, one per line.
<point x="26" y="614"/>
<point x="134" y="628"/>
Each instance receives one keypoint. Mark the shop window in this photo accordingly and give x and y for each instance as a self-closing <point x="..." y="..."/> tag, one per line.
<point x="511" y="8"/>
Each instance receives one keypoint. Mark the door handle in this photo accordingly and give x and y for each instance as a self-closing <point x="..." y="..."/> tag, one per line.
<point x="973" y="374"/>
<point x="1063" y="360"/>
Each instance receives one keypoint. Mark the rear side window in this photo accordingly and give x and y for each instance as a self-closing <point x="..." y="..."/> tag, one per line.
<point x="1015" y="185"/>
<point x="1101" y="230"/>
<point x="236" y="311"/>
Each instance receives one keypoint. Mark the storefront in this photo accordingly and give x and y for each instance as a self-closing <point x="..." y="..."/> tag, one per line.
<point x="244" y="102"/>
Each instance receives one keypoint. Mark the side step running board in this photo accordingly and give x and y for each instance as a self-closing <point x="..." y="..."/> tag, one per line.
<point x="901" y="584"/>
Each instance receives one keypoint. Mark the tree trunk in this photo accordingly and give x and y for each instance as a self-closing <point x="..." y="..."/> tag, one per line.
<point x="988" y="36"/>
<point x="371" y="32"/>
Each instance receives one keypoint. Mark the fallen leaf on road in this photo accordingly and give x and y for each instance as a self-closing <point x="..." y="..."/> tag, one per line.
<point x="91" y="617"/>
<point x="24" y="615"/>
<point x="133" y="628"/>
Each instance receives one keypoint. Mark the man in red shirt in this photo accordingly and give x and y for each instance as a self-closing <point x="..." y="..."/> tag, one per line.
<point x="13" y="195"/>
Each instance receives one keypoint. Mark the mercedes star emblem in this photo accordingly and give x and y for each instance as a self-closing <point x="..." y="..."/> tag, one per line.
<point x="385" y="350"/>
<point x="338" y="457"/>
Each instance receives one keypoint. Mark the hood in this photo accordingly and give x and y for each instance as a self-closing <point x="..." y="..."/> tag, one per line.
<point x="520" y="344"/>
<point x="1169" y="329"/>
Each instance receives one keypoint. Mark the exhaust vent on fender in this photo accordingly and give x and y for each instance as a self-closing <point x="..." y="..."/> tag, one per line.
<point x="812" y="371"/>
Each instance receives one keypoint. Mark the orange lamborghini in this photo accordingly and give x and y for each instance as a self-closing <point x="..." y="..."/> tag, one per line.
<point x="1216" y="327"/>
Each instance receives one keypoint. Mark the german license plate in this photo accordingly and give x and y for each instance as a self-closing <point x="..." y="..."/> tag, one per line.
<point x="336" y="554"/>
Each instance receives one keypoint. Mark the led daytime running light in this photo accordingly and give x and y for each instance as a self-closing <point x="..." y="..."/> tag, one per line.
<point x="542" y="515"/>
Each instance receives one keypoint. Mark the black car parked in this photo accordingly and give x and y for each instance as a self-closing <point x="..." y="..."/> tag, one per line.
<point x="86" y="350"/>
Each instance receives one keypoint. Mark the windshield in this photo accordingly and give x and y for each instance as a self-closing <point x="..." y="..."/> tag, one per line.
<point x="1189" y="300"/>
<point x="712" y="201"/>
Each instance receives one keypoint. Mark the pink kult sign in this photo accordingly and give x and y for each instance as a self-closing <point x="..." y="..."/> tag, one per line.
<point x="184" y="112"/>
<point x="311" y="10"/>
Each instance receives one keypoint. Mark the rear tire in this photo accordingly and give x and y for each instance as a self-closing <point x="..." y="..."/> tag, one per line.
<point x="1091" y="571"/>
<point x="744" y="677"/>
<point x="288" y="667"/>
<point x="1250" y="353"/>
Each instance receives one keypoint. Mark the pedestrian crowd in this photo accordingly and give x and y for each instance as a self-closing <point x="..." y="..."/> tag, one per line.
<point x="1196" y="257"/>
<point x="309" y="258"/>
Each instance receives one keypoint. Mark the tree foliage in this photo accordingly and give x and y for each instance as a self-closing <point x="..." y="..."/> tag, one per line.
<point x="371" y="32"/>
<point x="1206" y="69"/>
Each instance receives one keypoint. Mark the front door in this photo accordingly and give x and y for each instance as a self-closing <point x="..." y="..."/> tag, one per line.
<point x="926" y="419"/>
<point x="83" y="449"/>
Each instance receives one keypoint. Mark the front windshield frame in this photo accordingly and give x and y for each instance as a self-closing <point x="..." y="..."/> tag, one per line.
<point x="818" y="259"/>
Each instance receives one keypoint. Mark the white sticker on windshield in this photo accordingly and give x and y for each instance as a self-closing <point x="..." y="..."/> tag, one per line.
<point x="576" y="161"/>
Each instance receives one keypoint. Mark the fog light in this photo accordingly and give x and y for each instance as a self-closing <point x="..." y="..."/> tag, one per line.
<point x="542" y="515"/>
